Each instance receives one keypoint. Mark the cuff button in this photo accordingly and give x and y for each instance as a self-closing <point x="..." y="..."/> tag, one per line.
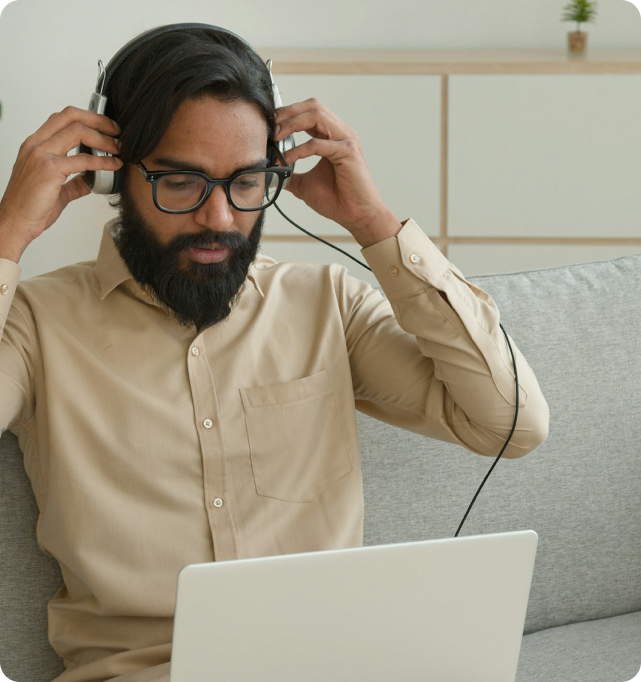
<point x="393" y="272"/>
<point x="4" y="289"/>
<point x="415" y="259"/>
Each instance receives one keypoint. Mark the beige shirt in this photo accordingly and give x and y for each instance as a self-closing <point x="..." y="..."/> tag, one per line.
<point x="151" y="446"/>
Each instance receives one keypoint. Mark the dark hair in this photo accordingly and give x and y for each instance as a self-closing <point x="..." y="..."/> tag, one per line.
<point x="152" y="83"/>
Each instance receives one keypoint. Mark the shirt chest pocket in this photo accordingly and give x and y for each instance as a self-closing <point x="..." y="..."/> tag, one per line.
<point x="296" y="444"/>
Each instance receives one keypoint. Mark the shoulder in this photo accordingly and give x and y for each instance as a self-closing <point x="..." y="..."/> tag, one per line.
<point x="314" y="282"/>
<point x="53" y="288"/>
<point x="296" y="277"/>
<point x="290" y="274"/>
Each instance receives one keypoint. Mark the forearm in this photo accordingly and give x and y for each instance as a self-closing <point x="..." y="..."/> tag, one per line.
<point x="13" y="241"/>
<point x="383" y="226"/>
<point x="467" y="390"/>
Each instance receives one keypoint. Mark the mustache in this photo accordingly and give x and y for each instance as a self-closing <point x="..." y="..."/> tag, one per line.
<point x="205" y="239"/>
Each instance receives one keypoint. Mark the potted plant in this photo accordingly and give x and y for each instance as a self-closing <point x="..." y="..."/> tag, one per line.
<point x="580" y="11"/>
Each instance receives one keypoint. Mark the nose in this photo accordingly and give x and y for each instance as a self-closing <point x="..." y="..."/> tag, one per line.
<point x="216" y="213"/>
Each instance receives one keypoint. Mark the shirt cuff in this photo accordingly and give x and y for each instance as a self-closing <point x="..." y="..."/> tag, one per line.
<point x="9" y="278"/>
<point x="404" y="263"/>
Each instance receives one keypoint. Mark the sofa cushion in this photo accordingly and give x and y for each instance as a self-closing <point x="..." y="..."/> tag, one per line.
<point x="607" y="650"/>
<point x="579" y="327"/>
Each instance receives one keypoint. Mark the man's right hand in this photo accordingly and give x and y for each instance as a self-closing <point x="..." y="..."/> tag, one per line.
<point x="38" y="190"/>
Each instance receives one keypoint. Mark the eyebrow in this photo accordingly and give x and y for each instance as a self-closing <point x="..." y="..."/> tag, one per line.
<point x="178" y="164"/>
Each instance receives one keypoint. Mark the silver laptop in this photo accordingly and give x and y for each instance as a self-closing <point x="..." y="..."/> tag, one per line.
<point x="444" y="610"/>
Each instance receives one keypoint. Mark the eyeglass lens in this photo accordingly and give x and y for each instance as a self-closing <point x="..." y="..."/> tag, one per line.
<point x="180" y="192"/>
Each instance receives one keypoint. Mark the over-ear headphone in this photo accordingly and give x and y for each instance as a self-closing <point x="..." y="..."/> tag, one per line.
<point x="110" y="182"/>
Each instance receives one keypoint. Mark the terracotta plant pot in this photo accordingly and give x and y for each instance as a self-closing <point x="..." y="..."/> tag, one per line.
<point x="577" y="41"/>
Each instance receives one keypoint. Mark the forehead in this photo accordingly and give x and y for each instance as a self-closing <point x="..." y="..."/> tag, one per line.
<point x="218" y="136"/>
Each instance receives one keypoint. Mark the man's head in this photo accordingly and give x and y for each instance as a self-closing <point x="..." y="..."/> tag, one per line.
<point x="201" y="100"/>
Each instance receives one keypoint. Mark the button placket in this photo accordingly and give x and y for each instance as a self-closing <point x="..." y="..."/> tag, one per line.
<point x="212" y="448"/>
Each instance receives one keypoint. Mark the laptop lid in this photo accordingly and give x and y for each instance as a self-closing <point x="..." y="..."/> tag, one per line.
<point x="450" y="610"/>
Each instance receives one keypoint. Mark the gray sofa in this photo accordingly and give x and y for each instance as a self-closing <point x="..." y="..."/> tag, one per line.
<point x="580" y="328"/>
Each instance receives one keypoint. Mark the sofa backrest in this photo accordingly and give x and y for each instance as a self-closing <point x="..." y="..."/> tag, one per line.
<point x="28" y="577"/>
<point x="579" y="327"/>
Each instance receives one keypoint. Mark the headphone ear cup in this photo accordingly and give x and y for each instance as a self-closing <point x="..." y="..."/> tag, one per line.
<point x="100" y="181"/>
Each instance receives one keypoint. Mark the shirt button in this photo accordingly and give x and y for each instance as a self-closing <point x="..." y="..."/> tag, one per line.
<point x="208" y="423"/>
<point x="415" y="259"/>
<point x="195" y="351"/>
<point x="393" y="272"/>
<point x="4" y="289"/>
<point x="217" y="502"/>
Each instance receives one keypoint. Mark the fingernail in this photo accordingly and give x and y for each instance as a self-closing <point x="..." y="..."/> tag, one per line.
<point x="277" y="129"/>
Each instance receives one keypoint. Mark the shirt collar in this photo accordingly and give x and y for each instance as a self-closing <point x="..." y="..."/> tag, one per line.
<point x="112" y="271"/>
<point x="110" y="267"/>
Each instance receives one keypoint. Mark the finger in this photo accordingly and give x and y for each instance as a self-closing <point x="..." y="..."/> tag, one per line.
<point x="335" y="151"/>
<point x="78" y="133"/>
<point x="61" y="120"/>
<point x="319" y="124"/>
<point x="293" y="185"/>
<point x="88" y="162"/>
<point x="311" y="104"/>
<point x="74" y="189"/>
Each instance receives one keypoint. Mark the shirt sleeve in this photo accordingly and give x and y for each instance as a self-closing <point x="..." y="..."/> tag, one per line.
<point x="9" y="278"/>
<point x="15" y="341"/>
<point x="432" y="358"/>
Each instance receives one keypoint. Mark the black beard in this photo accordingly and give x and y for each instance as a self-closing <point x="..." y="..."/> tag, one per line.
<point x="202" y="294"/>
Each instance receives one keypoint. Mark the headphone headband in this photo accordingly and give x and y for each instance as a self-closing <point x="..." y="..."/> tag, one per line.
<point x="135" y="43"/>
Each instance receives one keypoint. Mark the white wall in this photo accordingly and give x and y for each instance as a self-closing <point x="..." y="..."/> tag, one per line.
<point x="332" y="23"/>
<point x="49" y="51"/>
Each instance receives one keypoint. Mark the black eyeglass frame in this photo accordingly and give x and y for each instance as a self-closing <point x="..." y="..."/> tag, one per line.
<point x="282" y="172"/>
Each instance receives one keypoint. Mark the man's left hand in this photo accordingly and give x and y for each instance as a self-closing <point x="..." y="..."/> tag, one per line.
<point x="340" y="186"/>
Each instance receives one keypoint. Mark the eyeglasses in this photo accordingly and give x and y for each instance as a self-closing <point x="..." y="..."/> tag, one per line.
<point x="247" y="190"/>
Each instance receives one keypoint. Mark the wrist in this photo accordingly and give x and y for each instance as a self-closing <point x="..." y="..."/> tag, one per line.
<point x="10" y="249"/>
<point x="383" y="226"/>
